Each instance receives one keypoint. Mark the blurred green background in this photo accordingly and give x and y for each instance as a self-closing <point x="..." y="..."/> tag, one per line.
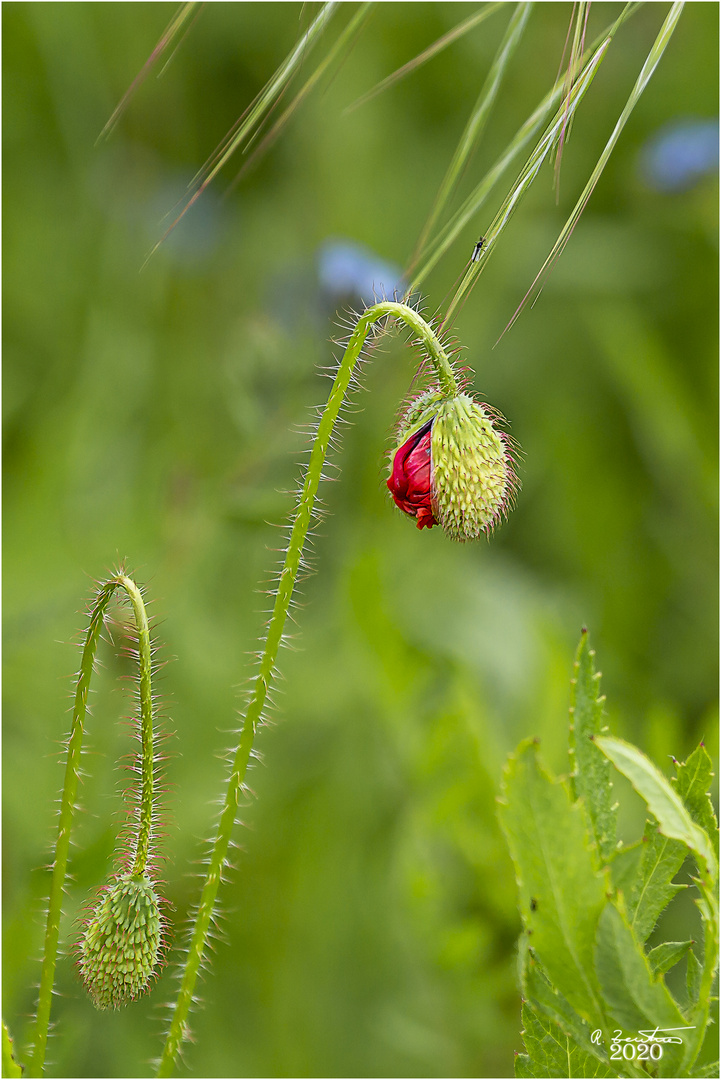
<point x="154" y="416"/>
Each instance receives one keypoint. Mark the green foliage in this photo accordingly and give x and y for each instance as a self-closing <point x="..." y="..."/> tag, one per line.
<point x="551" y="1052"/>
<point x="591" y="773"/>
<point x="10" y="1066"/>
<point x="583" y="963"/>
<point x="667" y="955"/>
<point x="152" y="414"/>
<point x="562" y="889"/>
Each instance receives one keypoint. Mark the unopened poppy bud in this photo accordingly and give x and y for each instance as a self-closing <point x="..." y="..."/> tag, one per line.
<point x="120" y="948"/>
<point x="452" y="467"/>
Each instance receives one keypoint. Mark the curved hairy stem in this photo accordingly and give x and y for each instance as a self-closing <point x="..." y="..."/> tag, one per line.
<point x="264" y="677"/>
<point x="70" y="788"/>
<point x="147" y="788"/>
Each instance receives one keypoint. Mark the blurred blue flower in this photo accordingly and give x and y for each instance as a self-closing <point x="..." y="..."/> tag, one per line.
<point x="680" y="154"/>
<point x="348" y="271"/>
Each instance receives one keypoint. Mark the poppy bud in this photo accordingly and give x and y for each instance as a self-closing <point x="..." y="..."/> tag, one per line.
<point x="452" y="467"/>
<point x="121" y="945"/>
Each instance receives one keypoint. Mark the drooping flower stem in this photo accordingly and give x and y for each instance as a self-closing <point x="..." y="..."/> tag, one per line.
<point x="447" y="383"/>
<point x="70" y="788"/>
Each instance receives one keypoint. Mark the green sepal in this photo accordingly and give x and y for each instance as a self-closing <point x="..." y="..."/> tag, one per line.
<point x="473" y="482"/>
<point x="120" y="948"/>
<point x="417" y="413"/>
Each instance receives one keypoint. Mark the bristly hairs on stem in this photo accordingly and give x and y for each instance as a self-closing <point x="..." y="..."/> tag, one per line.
<point x="256" y="710"/>
<point x="124" y="937"/>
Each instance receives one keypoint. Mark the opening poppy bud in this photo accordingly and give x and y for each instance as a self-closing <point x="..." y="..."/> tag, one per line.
<point x="120" y="948"/>
<point x="452" y="467"/>
<point x="410" y="480"/>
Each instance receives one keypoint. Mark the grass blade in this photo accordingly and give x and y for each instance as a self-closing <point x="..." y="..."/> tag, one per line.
<point x="530" y="171"/>
<point x="434" y="251"/>
<point x="647" y="71"/>
<point x="249" y="122"/>
<point x="347" y="35"/>
<point x="580" y="24"/>
<point x="479" y="116"/>
<point x="169" y="34"/>
<point x="438" y="46"/>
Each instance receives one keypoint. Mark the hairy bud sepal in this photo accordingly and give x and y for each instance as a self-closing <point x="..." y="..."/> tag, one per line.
<point x="452" y="467"/>
<point x="473" y="481"/>
<point x="120" y="948"/>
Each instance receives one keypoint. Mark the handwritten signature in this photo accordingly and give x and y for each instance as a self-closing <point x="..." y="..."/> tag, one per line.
<point x="643" y="1036"/>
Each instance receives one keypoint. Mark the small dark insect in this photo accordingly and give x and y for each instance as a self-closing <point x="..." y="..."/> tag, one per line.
<point x="534" y="903"/>
<point x="478" y="249"/>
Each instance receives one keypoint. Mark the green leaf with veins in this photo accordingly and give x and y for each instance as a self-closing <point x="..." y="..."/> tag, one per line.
<point x="562" y="892"/>
<point x="551" y="1053"/>
<point x="636" y="998"/>
<point x="591" y="776"/>
<point x="666" y="955"/>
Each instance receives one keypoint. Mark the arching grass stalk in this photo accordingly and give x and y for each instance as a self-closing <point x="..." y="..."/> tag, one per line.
<point x="476" y="123"/>
<point x="248" y="124"/>
<point x="449" y="388"/>
<point x="139" y="858"/>
<point x="439" y="244"/>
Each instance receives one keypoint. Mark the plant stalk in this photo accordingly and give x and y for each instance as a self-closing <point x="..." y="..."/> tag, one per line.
<point x="70" y="790"/>
<point x="447" y="382"/>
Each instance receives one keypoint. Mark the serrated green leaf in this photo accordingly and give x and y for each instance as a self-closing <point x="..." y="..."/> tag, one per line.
<point x="546" y="1000"/>
<point x="10" y="1066"/>
<point x="551" y="1053"/>
<point x="625" y="866"/>
<point x="702" y="981"/>
<point x="591" y="777"/>
<point x="561" y="892"/>
<point x="652" y="890"/>
<point x="637" y="1000"/>
<point x="664" y="956"/>
<point x="707" y="1070"/>
<point x="664" y="803"/>
<point x="524" y="1069"/>
<point x="693" y="781"/>
<point x="694" y="971"/>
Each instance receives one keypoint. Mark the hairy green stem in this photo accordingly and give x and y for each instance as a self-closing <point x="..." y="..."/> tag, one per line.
<point x="447" y="383"/>
<point x="70" y="789"/>
<point x="147" y="752"/>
